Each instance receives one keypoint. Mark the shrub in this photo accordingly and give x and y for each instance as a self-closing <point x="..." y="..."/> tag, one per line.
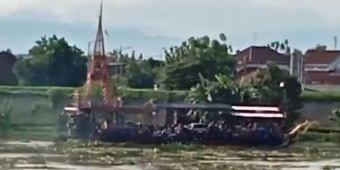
<point x="57" y="97"/>
<point x="309" y="96"/>
<point x="5" y="118"/>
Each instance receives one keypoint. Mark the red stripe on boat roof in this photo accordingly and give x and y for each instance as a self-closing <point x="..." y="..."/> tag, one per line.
<point x="258" y="115"/>
<point x="256" y="108"/>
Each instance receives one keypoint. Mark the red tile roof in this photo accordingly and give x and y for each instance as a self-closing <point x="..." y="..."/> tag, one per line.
<point x="261" y="55"/>
<point x="321" y="57"/>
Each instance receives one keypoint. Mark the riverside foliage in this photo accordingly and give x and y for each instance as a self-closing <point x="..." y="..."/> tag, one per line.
<point x="202" y="64"/>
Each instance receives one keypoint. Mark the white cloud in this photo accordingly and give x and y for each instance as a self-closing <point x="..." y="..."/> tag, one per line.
<point x="181" y="18"/>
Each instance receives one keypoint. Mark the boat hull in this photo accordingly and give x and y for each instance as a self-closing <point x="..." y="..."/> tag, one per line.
<point x="150" y="138"/>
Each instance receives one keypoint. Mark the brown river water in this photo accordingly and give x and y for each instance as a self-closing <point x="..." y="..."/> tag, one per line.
<point x="33" y="155"/>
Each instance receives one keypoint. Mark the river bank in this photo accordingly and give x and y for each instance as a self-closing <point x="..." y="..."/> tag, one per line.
<point x="73" y="155"/>
<point x="33" y="105"/>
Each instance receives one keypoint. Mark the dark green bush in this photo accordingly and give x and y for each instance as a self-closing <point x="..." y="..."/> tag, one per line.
<point x="5" y="117"/>
<point x="309" y="96"/>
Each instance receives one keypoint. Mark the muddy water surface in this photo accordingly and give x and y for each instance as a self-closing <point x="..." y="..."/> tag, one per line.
<point x="95" y="156"/>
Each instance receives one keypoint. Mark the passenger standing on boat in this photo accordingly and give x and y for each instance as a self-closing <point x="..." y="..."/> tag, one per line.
<point x="178" y="128"/>
<point x="228" y="130"/>
<point x="104" y="125"/>
<point x="196" y="117"/>
<point x="71" y="125"/>
<point x="263" y="132"/>
<point x="277" y="130"/>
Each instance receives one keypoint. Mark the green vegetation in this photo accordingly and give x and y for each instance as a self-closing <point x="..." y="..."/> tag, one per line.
<point x="320" y="137"/>
<point x="125" y="92"/>
<point x="282" y="47"/>
<point x="307" y="96"/>
<point x="32" y="132"/>
<point x="200" y="70"/>
<point x="197" y="56"/>
<point x="264" y="89"/>
<point x="54" y="63"/>
<point x="322" y="96"/>
<point x="5" y="119"/>
<point x="31" y="90"/>
<point x="335" y="117"/>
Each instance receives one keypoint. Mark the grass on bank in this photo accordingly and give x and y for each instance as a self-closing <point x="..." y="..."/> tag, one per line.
<point x="129" y="93"/>
<point x="44" y="132"/>
<point x="321" y="96"/>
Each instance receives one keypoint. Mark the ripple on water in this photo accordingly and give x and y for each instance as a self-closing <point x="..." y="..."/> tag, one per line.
<point x="120" y="167"/>
<point x="298" y="165"/>
<point x="28" y="155"/>
<point x="55" y="165"/>
<point x="40" y="159"/>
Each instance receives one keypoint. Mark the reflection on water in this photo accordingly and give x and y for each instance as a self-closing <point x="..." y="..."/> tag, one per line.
<point x="46" y="155"/>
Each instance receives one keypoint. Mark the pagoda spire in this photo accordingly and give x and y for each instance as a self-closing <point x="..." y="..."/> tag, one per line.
<point x="99" y="47"/>
<point x="98" y="74"/>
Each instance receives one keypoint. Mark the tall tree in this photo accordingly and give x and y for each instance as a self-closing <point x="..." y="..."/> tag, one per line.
<point x="7" y="63"/>
<point x="54" y="62"/>
<point x="267" y="85"/>
<point x="197" y="56"/>
<point x="140" y="75"/>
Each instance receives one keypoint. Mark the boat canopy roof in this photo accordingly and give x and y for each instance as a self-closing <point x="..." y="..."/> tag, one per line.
<point x="193" y="106"/>
<point x="71" y="109"/>
<point x="265" y="112"/>
<point x="257" y="112"/>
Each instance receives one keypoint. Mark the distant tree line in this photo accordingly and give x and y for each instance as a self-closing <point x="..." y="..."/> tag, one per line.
<point x="202" y="65"/>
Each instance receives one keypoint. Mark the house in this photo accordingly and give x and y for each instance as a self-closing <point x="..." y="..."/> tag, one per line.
<point x="7" y="62"/>
<point x="256" y="57"/>
<point x="322" y="67"/>
<point x="23" y="56"/>
<point x="116" y="68"/>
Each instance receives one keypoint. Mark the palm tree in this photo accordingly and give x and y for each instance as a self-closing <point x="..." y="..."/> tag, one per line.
<point x="223" y="37"/>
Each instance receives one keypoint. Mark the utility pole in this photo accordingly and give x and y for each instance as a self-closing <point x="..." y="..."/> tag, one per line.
<point x="89" y="53"/>
<point x="162" y="50"/>
<point x="88" y="48"/>
<point x="335" y="42"/>
<point x="255" y="37"/>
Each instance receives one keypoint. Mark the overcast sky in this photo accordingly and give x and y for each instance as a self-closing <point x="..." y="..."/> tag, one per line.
<point x="149" y="25"/>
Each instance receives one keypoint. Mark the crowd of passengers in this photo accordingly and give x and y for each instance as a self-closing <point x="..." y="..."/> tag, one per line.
<point x="214" y="131"/>
<point x="201" y="131"/>
<point x="187" y="130"/>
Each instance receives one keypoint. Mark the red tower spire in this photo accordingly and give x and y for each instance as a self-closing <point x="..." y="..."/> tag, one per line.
<point x="98" y="73"/>
<point x="99" y="48"/>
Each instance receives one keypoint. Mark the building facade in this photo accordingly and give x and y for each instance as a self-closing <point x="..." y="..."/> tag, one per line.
<point x="254" y="58"/>
<point x="322" y="67"/>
